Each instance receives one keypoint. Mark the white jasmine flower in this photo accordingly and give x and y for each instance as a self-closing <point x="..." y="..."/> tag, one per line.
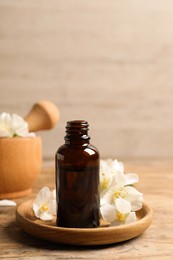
<point x="44" y="206"/>
<point x="119" y="213"/>
<point x="120" y="190"/>
<point x="11" y="126"/>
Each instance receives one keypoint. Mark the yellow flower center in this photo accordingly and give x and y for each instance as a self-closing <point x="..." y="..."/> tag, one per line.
<point x="104" y="182"/>
<point x="117" y="194"/>
<point x="121" y="217"/>
<point x="44" y="207"/>
<point x="120" y="193"/>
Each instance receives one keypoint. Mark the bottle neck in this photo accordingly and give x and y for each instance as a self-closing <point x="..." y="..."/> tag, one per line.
<point x="77" y="132"/>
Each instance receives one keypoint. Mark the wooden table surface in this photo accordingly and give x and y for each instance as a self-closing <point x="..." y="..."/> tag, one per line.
<point x="156" y="182"/>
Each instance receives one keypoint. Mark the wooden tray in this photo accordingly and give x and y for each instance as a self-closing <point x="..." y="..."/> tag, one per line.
<point x="47" y="230"/>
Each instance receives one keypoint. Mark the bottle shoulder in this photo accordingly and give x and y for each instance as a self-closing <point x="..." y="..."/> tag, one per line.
<point x="92" y="150"/>
<point x="62" y="148"/>
<point x="88" y="150"/>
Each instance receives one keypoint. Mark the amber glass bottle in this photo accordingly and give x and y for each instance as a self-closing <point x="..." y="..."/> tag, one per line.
<point x="77" y="179"/>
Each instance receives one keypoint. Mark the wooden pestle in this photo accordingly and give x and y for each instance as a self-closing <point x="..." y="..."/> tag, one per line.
<point x="43" y="115"/>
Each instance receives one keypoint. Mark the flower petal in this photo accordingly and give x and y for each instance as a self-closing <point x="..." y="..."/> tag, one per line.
<point x="31" y="134"/>
<point x="118" y="166"/>
<point x="110" y="166"/>
<point x="131" y="178"/>
<point x="122" y="205"/>
<point x="54" y="194"/>
<point x="6" y="125"/>
<point x="120" y="180"/>
<point x="131" y="218"/>
<point x="43" y="196"/>
<point x="108" y="212"/>
<point x="52" y="206"/>
<point x="135" y="197"/>
<point x="45" y="216"/>
<point x="22" y="131"/>
<point x="36" y="210"/>
<point x="18" y="122"/>
<point x="108" y="197"/>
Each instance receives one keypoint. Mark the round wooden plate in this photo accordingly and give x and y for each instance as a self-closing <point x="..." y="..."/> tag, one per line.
<point x="47" y="230"/>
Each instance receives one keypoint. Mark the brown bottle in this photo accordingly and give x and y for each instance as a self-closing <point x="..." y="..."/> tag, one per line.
<point x="77" y="179"/>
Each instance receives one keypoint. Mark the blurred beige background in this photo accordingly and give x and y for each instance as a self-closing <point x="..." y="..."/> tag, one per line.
<point x="107" y="61"/>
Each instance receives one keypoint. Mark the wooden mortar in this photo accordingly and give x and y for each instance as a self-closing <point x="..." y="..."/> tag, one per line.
<point x="21" y="157"/>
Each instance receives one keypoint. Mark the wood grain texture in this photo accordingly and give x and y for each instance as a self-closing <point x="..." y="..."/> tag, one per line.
<point x="156" y="180"/>
<point x="106" y="61"/>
